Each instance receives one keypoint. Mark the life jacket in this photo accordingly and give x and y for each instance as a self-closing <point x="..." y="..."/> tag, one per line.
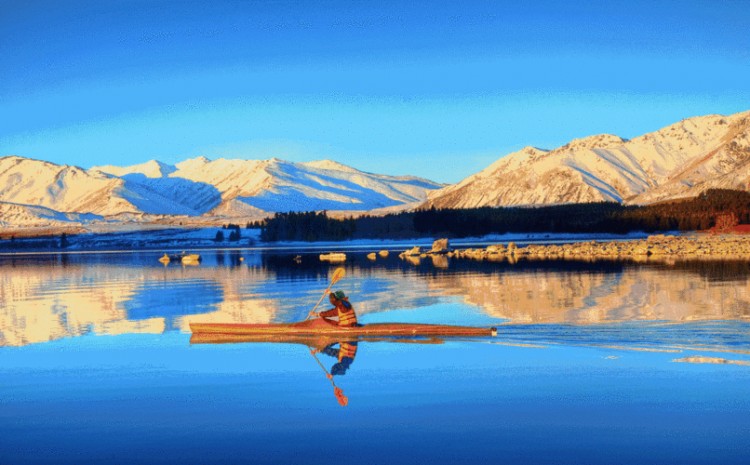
<point x="346" y="315"/>
<point x="347" y="349"/>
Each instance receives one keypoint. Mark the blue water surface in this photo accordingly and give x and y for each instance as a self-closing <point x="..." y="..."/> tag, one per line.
<point x="670" y="383"/>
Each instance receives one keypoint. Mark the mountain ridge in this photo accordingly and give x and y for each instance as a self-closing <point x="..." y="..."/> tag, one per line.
<point x="678" y="161"/>
<point x="196" y="187"/>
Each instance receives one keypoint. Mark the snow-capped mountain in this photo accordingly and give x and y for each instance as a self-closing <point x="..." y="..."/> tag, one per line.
<point x="239" y="187"/>
<point x="41" y="191"/>
<point x="681" y="160"/>
<point x="61" y="188"/>
<point x="12" y="214"/>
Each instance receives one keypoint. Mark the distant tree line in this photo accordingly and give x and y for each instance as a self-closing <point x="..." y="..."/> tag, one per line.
<point x="698" y="213"/>
<point x="36" y="243"/>
<point x="234" y="236"/>
<point x="725" y="207"/>
<point x="306" y="226"/>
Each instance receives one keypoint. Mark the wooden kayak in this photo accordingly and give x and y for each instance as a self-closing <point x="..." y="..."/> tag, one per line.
<point x="316" y="341"/>
<point x="320" y="327"/>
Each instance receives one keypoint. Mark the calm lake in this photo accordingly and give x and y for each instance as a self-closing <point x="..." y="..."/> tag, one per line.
<point x="603" y="362"/>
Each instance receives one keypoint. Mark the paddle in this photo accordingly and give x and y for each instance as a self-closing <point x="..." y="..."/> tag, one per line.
<point x="337" y="275"/>
<point x="337" y="391"/>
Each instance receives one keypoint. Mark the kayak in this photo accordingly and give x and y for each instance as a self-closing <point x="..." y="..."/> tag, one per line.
<point x="320" y="327"/>
<point x="315" y="341"/>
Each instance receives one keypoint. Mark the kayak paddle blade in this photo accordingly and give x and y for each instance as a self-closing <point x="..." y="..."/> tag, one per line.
<point x="340" y="397"/>
<point x="337" y="275"/>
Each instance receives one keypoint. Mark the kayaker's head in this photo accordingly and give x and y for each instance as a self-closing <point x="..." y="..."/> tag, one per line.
<point x="336" y="296"/>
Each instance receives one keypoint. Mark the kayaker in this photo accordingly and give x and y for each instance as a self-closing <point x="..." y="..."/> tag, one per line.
<point x="345" y="354"/>
<point x="341" y="309"/>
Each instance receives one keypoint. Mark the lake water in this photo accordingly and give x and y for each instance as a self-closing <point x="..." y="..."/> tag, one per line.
<point x="599" y="362"/>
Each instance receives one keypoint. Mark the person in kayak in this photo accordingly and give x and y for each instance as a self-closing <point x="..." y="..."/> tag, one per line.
<point x="341" y="309"/>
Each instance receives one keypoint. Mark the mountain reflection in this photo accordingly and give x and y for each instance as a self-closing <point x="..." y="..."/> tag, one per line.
<point x="44" y="303"/>
<point x="67" y="296"/>
<point x="595" y="298"/>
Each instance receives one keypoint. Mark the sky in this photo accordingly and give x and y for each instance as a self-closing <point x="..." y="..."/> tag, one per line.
<point x="433" y="89"/>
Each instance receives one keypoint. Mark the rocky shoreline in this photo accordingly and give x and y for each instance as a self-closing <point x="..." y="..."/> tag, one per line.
<point x="654" y="247"/>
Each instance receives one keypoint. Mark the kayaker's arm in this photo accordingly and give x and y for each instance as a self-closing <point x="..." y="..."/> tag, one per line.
<point x="339" y="369"/>
<point x="331" y="312"/>
<point x="329" y="350"/>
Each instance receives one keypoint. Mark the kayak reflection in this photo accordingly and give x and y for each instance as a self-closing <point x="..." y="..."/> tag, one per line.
<point x="329" y="338"/>
<point x="343" y="350"/>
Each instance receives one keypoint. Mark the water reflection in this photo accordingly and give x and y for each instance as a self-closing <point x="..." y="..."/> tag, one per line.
<point x="44" y="303"/>
<point x="343" y="351"/>
<point x="646" y="293"/>
<point x="48" y="297"/>
<point x="711" y="360"/>
<point x="169" y="298"/>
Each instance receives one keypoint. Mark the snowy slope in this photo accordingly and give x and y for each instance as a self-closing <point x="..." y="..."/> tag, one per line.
<point x="241" y="187"/>
<point x="150" y="169"/>
<point x="153" y="188"/>
<point x="198" y="187"/>
<point x="13" y="214"/>
<point x="61" y="188"/>
<point x="680" y="160"/>
<point x="330" y="186"/>
<point x="725" y="165"/>
<point x="225" y="187"/>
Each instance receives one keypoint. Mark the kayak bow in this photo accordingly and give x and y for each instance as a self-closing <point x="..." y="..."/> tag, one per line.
<point x="321" y="327"/>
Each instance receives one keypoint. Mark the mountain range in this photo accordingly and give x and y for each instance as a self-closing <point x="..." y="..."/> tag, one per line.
<point x="678" y="161"/>
<point x="39" y="193"/>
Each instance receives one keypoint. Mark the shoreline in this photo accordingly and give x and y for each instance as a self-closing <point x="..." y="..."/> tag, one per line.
<point x="178" y="239"/>
<point x="509" y="247"/>
<point x="659" y="247"/>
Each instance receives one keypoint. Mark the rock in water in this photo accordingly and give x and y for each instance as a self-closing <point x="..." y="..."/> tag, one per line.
<point x="414" y="252"/>
<point x="440" y="246"/>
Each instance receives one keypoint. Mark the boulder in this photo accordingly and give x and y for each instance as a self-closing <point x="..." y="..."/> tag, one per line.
<point x="495" y="249"/>
<point x="511" y="248"/>
<point x="440" y="246"/>
<point x="414" y="252"/>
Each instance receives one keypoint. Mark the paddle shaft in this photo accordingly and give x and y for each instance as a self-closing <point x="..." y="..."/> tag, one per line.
<point x="337" y="275"/>
<point x="337" y="391"/>
<point x="312" y="312"/>
<point x="322" y="367"/>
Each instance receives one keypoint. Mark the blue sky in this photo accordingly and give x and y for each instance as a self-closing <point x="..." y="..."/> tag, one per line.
<point x="435" y="89"/>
